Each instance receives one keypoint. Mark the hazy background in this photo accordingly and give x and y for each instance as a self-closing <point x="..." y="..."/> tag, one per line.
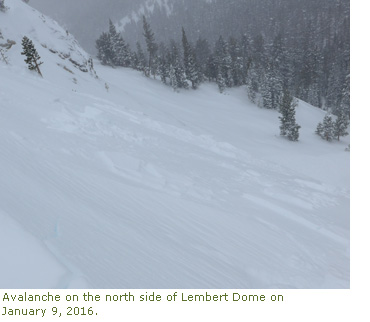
<point x="86" y="19"/>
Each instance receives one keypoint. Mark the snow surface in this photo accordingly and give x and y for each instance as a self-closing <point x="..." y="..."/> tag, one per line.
<point x="142" y="187"/>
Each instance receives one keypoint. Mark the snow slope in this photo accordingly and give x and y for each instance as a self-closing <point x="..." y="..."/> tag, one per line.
<point x="141" y="187"/>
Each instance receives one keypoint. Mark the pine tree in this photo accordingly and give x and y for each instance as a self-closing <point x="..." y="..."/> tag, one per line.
<point x="180" y="75"/>
<point x="221" y="82"/>
<point x="341" y="124"/>
<point x="345" y="96"/>
<point x="164" y="70"/>
<point x="319" y="129"/>
<point x="32" y="56"/>
<point x="179" y="72"/>
<point x="211" y="71"/>
<point x="327" y="132"/>
<point x="202" y="52"/>
<point x="252" y="84"/>
<point x="246" y="57"/>
<point x="173" y="80"/>
<point x="223" y="62"/>
<point x="105" y="49"/>
<point x="140" y="58"/>
<point x="271" y="89"/>
<point x="191" y="70"/>
<point x="121" y="55"/>
<point x="288" y="127"/>
<point x="236" y="62"/>
<point x="151" y="45"/>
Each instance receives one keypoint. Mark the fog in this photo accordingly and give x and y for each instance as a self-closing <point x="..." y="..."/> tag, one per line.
<point x="85" y="19"/>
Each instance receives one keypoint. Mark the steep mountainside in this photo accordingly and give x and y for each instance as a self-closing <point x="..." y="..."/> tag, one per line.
<point x="121" y="182"/>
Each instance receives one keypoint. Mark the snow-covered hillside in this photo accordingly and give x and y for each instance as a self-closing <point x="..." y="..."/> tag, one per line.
<point x="136" y="186"/>
<point x="53" y="43"/>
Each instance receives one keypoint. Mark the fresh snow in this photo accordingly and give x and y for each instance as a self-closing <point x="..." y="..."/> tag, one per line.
<point x="142" y="187"/>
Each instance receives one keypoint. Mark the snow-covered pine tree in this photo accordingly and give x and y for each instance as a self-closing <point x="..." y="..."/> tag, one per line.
<point x="202" y="52"/>
<point x="174" y="59"/>
<point x="236" y="62"/>
<point x="221" y="82"/>
<point x="140" y="58"/>
<point x="124" y="55"/>
<point x="266" y="92"/>
<point x="32" y="56"/>
<point x="245" y="49"/>
<point x="223" y="61"/>
<point x="327" y="132"/>
<point x="173" y="80"/>
<point x="252" y="83"/>
<point x="345" y="96"/>
<point x="151" y="45"/>
<point x="319" y="129"/>
<point x="164" y="70"/>
<point x="211" y="71"/>
<point x="271" y="88"/>
<point x="120" y="50"/>
<point x="114" y="39"/>
<point x="341" y="124"/>
<point x="180" y="75"/>
<point x="105" y="50"/>
<point x="251" y="92"/>
<point x="190" y="67"/>
<point x="288" y="127"/>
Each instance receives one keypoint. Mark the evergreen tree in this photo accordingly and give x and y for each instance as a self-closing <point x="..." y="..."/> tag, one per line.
<point x="319" y="129"/>
<point x="288" y="127"/>
<point x="341" y="125"/>
<point x="327" y="130"/>
<point x="223" y="62"/>
<point x="191" y="70"/>
<point x="246" y="59"/>
<point x="164" y="70"/>
<point x="344" y="106"/>
<point x="202" y="53"/>
<point x="151" y="46"/>
<point x="252" y="94"/>
<point x="141" y="61"/>
<point x="236" y="62"/>
<point x="221" y="82"/>
<point x="173" y="79"/>
<point x="105" y="49"/>
<point x="32" y="56"/>
<point x="252" y="84"/>
<point x="211" y="71"/>
<point x="179" y="72"/>
<point x="271" y="88"/>
<point x="121" y="54"/>
<point x="180" y="75"/>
